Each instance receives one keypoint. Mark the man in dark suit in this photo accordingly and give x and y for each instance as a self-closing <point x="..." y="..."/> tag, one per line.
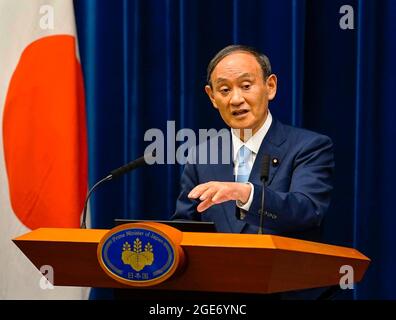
<point x="297" y="193"/>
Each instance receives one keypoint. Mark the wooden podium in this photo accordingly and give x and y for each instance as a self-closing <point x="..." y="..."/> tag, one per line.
<point x="215" y="262"/>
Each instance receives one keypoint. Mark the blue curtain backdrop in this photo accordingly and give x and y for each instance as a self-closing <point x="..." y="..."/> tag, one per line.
<point x="144" y="64"/>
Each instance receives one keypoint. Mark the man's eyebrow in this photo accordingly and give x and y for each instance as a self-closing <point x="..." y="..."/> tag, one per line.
<point x="244" y="75"/>
<point x="218" y="80"/>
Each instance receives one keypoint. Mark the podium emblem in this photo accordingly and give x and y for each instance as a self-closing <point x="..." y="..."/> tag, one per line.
<point x="135" y="257"/>
<point x="138" y="254"/>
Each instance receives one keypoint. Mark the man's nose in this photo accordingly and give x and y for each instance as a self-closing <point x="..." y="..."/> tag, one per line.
<point x="236" y="97"/>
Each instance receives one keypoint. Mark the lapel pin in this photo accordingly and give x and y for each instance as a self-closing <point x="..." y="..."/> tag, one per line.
<point x="275" y="162"/>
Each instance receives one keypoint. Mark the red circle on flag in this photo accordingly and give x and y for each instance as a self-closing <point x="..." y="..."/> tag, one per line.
<point x="44" y="135"/>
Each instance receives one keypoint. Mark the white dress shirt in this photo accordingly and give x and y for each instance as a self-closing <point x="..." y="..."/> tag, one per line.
<point x="253" y="143"/>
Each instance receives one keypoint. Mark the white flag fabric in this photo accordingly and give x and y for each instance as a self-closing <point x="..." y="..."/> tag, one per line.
<point x="43" y="147"/>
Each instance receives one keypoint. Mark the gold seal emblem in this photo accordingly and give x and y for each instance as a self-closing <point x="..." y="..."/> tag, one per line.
<point x="137" y="258"/>
<point x="141" y="254"/>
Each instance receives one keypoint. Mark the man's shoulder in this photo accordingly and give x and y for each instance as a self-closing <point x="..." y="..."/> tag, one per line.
<point x="303" y="145"/>
<point x="302" y="135"/>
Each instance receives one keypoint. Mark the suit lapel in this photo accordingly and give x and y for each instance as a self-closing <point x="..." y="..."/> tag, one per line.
<point x="273" y="145"/>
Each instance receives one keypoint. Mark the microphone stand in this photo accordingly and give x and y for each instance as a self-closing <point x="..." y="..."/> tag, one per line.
<point x="83" y="223"/>
<point x="140" y="162"/>
<point x="260" y="231"/>
<point x="263" y="177"/>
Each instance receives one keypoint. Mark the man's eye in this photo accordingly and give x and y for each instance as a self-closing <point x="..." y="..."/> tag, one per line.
<point x="246" y="86"/>
<point x="224" y="90"/>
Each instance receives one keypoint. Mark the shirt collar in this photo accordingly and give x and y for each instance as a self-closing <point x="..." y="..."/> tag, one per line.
<point x="255" y="141"/>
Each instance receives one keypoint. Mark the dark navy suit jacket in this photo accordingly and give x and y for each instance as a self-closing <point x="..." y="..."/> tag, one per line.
<point x="297" y="193"/>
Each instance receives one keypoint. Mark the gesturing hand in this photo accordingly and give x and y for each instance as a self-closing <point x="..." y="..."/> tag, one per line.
<point x="215" y="192"/>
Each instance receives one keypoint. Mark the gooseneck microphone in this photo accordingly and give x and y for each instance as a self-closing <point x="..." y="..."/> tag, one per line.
<point x="264" y="178"/>
<point x="140" y="162"/>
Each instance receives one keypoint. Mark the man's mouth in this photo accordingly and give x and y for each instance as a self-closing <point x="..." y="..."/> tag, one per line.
<point x="240" y="112"/>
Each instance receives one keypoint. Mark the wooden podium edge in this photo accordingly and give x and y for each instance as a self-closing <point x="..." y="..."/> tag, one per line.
<point x="196" y="246"/>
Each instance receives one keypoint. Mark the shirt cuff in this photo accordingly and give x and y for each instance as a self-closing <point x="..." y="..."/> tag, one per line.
<point x="247" y="205"/>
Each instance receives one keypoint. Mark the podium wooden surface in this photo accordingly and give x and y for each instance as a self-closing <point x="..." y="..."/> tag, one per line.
<point x="216" y="262"/>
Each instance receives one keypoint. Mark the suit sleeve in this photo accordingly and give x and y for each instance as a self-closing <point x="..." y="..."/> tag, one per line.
<point x="185" y="207"/>
<point x="304" y="206"/>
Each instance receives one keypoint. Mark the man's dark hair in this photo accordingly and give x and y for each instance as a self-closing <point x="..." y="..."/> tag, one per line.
<point x="261" y="58"/>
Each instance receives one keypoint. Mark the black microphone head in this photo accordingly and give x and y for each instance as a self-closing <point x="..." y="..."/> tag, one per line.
<point x="265" y="168"/>
<point x="140" y="162"/>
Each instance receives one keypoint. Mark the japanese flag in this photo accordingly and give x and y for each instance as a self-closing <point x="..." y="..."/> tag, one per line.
<point x="43" y="148"/>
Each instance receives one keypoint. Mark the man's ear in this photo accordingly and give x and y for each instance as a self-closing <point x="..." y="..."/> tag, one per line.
<point x="271" y="86"/>
<point x="209" y="92"/>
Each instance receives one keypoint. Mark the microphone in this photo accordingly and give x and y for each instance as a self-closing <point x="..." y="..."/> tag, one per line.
<point x="140" y="162"/>
<point x="264" y="178"/>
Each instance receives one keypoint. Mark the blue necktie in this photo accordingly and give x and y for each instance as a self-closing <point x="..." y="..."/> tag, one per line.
<point x="244" y="167"/>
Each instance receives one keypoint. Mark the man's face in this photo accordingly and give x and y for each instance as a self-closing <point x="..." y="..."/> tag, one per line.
<point x="239" y="91"/>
